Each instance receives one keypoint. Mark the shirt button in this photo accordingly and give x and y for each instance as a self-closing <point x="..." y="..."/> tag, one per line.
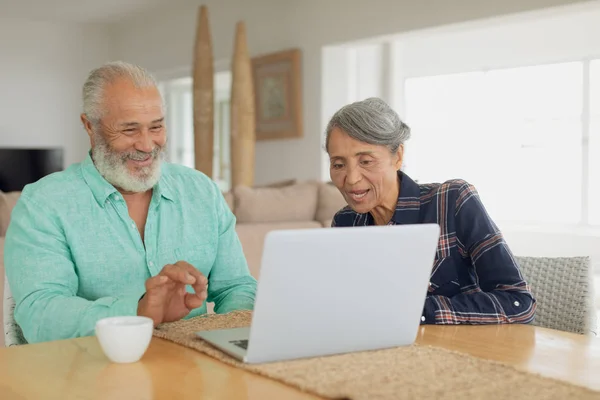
<point x="133" y="225"/>
<point x="423" y="318"/>
<point x="517" y="304"/>
<point x="151" y="264"/>
<point x="429" y="283"/>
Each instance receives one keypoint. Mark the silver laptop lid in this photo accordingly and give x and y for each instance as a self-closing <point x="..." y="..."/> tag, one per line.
<point x="327" y="291"/>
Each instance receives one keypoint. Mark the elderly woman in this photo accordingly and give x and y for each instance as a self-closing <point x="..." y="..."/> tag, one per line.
<point x="474" y="279"/>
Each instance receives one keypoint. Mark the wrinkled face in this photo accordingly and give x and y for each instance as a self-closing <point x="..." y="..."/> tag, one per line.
<point x="129" y="141"/>
<point x="365" y="174"/>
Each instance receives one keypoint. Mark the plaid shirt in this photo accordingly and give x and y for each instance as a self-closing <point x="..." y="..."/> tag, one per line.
<point x="475" y="278"/>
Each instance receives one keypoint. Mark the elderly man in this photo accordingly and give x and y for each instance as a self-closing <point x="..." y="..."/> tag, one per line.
<point x="122" y="233"/>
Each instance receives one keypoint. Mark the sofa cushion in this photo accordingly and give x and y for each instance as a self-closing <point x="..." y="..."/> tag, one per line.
<point x="286" y="204"/>
<point x="330" y="202"/>
<point x="278" y="184"/>
<point x="252" y="237"/>
<point x="7" y="202"/>
<point x="230" y="199"/>
<point x="326" y="223"/>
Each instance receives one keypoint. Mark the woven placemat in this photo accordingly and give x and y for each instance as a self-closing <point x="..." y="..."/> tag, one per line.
<point x="412" y="372"/>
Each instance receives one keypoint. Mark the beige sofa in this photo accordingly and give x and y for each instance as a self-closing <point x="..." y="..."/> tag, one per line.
<point x="295" y="206"/>
<point x="288" y="205"/>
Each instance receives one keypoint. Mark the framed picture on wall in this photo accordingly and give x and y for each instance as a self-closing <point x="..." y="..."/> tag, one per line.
<point x="278" y="95"/>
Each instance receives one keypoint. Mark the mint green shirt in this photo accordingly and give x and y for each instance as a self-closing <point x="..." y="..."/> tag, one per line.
<point x="73" y="255"/>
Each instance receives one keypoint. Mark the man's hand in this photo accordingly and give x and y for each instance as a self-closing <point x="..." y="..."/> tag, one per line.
<point x="166" y="298"/>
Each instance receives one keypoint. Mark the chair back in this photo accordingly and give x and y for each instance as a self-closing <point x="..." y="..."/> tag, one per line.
<point x="564" y="290"/>
<point x="13" y="335"/>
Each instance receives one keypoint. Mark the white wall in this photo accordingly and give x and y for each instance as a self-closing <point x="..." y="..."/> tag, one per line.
<point x="42" y="68"/>
<point x="163" y="40"/>
<point x="553" y="37"/>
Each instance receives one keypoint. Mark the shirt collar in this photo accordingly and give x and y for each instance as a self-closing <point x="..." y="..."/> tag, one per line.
<point x="409" y="201"/>
<point x="102" y="189"/>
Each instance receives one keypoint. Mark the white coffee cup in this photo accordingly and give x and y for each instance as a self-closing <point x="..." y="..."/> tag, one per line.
<point x="124" y="339"/>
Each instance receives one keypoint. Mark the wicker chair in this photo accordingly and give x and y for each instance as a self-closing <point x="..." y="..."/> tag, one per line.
<point x="13" y="335"/>
<point x="564" y="290"/>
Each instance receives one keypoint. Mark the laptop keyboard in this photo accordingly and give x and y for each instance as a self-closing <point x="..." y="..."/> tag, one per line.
<point x="240" y="343"/>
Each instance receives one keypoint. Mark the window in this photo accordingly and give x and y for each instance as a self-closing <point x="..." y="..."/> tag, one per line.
<point x="594" y="144"/>
<point x="180" y="124"/>
<point x="511" y="105"/>
<point x="503" y="130"/>
<point x="179" y="120"/>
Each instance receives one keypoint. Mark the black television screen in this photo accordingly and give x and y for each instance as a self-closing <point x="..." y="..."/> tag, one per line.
<point x="20" y="166"/>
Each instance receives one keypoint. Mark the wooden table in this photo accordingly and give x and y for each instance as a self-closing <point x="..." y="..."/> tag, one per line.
<point x="77" y="368"/>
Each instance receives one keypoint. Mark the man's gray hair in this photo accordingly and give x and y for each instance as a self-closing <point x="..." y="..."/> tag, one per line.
<point x="99" y="78"/>
<point x="371" y="121"/>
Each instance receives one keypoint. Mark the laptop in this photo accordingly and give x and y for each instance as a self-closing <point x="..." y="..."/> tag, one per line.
<point x="337" y="290"/>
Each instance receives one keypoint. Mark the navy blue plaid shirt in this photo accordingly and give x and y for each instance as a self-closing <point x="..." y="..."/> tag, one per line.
<point x="475" y="279"/>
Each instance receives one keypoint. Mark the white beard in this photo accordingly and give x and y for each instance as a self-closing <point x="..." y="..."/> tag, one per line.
<point x="113" y="167"/>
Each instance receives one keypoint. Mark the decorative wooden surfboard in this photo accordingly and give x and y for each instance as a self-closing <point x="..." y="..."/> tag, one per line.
<point x="243" y="120"/>
<point x="203" y="89"/>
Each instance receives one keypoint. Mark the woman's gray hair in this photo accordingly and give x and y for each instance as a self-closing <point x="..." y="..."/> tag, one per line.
<point x="371" y="121"/>
<point x="99" y="78"/>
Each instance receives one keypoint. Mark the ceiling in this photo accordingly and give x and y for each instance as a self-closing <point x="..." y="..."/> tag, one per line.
<point x="102" y="11"/>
